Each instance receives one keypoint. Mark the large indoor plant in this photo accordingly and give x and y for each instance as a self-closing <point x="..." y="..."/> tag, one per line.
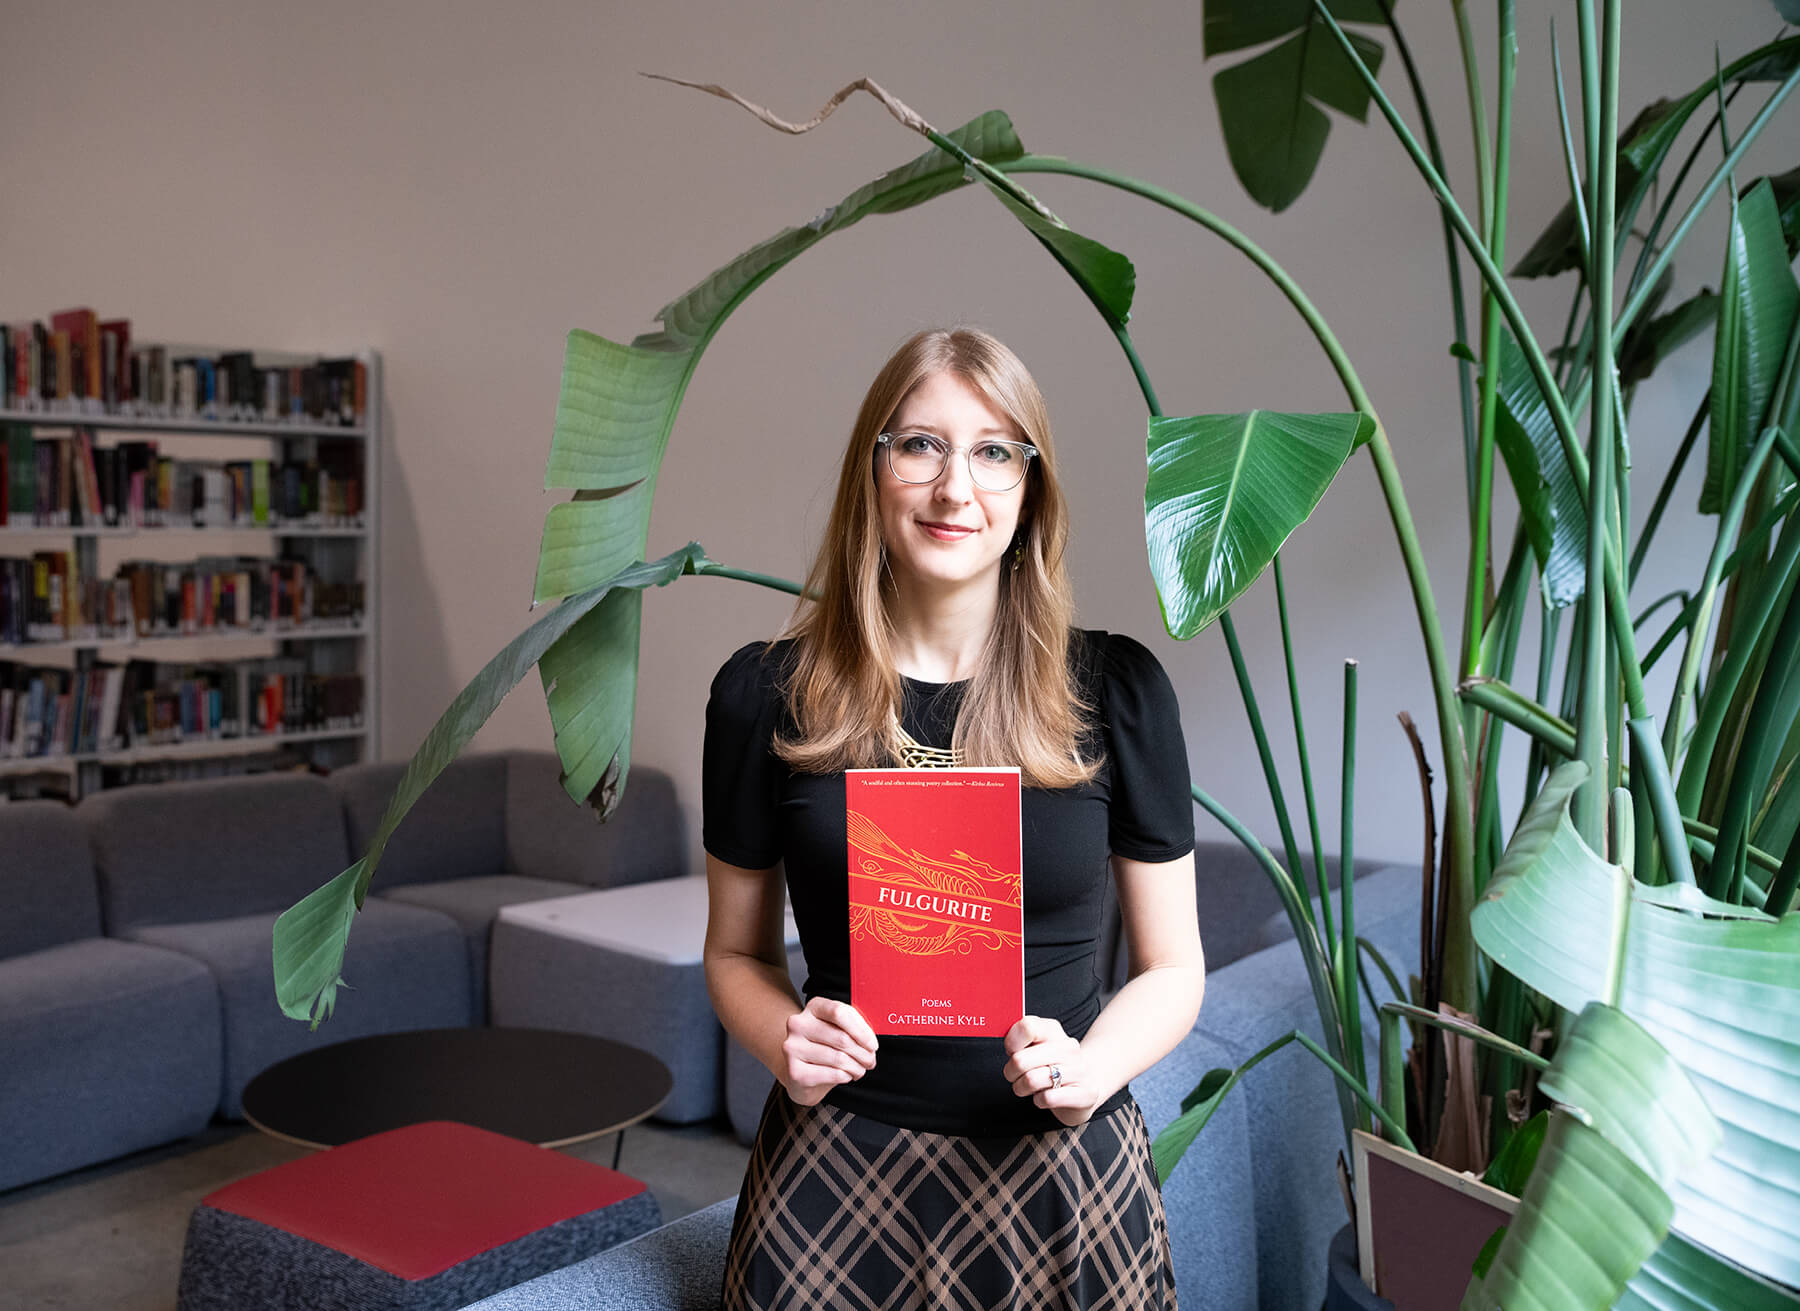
<point x="1224" y="492"/>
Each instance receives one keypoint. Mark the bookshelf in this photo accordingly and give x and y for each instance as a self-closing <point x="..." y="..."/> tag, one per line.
<point x="225" y="603"/>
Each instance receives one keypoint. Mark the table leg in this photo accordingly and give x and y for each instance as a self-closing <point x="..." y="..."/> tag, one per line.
<point x="618" y="1146"/>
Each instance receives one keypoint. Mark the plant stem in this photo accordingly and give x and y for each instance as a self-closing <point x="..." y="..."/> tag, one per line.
<point x="1484" y="160"/>
<point x="1756" y="855"/>
<point x="1573" y="169"/>
<point x="1313" y="952"/>
<point x="1512" y="707"/>
<point x="713" y="569"/>
<point x="1667" y="489"/>
<point x="1590" y="723"/>
<point x="1460" y="963"/>
<point x="1635" y="303"/>
<point x="1306" y="783"/>
<point x="1450" y="1024"/>
<point x="1689" y="676"/>
<point x="1787" y="879"/>
<point x="1290" y="847"/>
<point x="1346" y="950"/>
<point x="1458" y="317"/>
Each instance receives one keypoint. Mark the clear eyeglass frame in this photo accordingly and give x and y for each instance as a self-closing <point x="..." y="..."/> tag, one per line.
<point x="987" y="478"/>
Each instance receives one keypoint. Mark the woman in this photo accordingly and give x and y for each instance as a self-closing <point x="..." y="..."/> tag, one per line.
<point x="947" y="1171"/>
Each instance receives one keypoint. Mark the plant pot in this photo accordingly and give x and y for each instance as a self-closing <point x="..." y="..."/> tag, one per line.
<point x="1344" y="1288"/>
<point x="1420" y="1226"/>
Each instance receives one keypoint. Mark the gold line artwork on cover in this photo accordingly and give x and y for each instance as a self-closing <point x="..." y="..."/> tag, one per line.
<point x="962" y="877"/>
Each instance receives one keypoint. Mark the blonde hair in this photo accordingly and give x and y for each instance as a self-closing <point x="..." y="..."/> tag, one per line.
<point x="1023" y="706"/>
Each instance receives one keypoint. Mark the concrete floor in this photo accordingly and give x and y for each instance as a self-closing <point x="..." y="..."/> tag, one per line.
<point x="109" y="1238"/>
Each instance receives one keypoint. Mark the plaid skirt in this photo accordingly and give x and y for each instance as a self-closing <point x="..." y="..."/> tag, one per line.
<point x="842" y="1211"/>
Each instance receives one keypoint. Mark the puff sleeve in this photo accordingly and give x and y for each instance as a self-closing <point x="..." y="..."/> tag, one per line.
<point x="739" y="776"/>
<point x="1151" y="815"/>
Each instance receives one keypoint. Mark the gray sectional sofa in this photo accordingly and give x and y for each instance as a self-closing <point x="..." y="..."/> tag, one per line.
<point x="136" y="997"/>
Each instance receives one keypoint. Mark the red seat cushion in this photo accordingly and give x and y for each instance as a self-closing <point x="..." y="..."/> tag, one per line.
<point x="418" y="1200"/>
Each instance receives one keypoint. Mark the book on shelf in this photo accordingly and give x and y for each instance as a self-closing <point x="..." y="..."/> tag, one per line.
<point x="49" y="713"/>
<point x="936" y="900"/>
<point x="76" y="481"/>
<point x="80" y="365"/>
<point x="47" y="597"/>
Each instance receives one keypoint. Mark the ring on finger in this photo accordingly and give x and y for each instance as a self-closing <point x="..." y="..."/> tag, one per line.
<point x="1056" y="1076"/>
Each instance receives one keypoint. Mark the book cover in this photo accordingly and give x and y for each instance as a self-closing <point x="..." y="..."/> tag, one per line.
<point x="83" y="329"/>
<point x="936" y="900"/>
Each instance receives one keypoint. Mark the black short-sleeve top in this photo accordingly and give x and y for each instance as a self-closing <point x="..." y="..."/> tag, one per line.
<point x="758" y="812"/>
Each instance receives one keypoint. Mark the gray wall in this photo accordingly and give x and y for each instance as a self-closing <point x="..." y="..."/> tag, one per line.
<point x="459" y="184"/>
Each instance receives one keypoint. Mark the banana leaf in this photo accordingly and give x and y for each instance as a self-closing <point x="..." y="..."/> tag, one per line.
<point x="1224" y="491"/>
<point x="1550" y="503"/>
<point x="1758" y="298"/>
<point x="1629" y="1122"/>
<point x="310" y="936"/>
<point x="1681" y="1277"/>
<point x="1719" y="989"/>
<point x="613" y="419"/>
<point x="1269" y="105"/>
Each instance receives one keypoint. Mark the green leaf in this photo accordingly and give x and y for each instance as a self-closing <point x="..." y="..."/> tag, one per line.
<point x="613" y="418"/>
<point x="1558" y="247"/>
<point x="1107" y="277"/>
<point x="1643" y="146"/>
<point x="1196" y="1109"/>
<point x="1650" y="341"/>
<point x="1270" y="104"/>
<point x="1679" y="1276"/>
<point x="1586" y="1223"/>
<point x="1224" y="491"/>
<point x="1554" y="513"/>
<point x="1757" y="302"/>
<point x="310" y="936"/>
<point x="1229" y="25"/>
<point x="1484" y="1259"/>
<point x="1511" y="1170"/>
<point x="1721" y="994"/>
<point x="1786" y="189"/>
<point x="618" y="403"/>
<point x="1617" y="1079"/>
<point x="1629" y="1123"/>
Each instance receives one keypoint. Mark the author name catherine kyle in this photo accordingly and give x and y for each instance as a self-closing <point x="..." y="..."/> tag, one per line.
<point x="938" y="1017"/>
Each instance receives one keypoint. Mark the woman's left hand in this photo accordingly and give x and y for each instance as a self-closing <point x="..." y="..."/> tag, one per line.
<point x="1046" y="1065"/>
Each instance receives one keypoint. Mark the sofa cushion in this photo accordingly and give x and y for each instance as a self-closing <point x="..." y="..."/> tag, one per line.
<point x="551" y="836"/>
<point x="110" y="1047"/>
<point x="1235" y="897"/>
<point x="679" y="1267"/>
<point x="455" y="830"/>
<point x="1379" y="897"/>
<point x="406" y="967"/>
<point x="473" y="903"/>
<point x="173" y="853"/>
<point x="1291" y="1099"/>
<point x="421" y="1218"/>
<point x="1212" y="1232"/>
<point x="46" y="878"/>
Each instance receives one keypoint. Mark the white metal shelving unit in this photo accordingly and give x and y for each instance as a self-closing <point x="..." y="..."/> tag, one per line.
<point x="343" y="552"/>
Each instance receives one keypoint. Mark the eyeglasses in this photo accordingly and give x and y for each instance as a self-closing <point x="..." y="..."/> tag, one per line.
<point x="995" y="465"/>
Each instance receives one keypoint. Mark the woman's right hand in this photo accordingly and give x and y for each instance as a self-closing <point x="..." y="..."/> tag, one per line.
<point x="827" y="1043"/>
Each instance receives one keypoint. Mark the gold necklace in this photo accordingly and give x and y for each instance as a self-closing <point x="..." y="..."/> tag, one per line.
<point x="916" y="755"/>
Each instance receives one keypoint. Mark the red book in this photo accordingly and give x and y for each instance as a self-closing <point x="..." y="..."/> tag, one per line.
<point x="936" y="900"/>
<point x="83" y="327"/>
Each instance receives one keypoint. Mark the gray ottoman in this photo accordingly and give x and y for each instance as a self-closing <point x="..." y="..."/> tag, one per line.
<point x="621" y="963"/>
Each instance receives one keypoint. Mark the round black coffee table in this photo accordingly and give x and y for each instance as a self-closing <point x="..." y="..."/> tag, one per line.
<point x="540" y="1085"/>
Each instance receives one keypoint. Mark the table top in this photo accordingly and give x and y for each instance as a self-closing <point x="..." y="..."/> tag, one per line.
<point x="540" y="1085"/>
<point x="662" y="919"/>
